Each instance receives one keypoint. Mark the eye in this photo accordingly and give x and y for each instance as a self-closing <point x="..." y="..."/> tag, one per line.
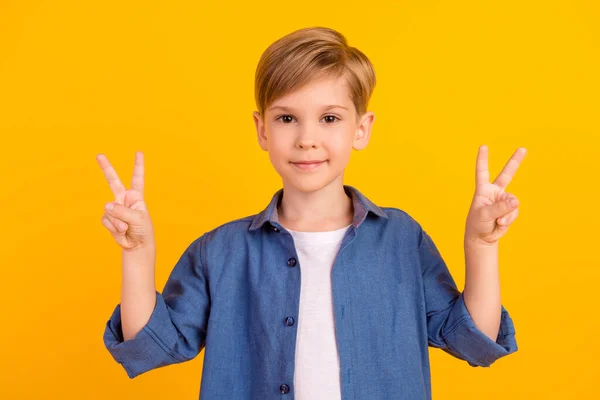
<point x="284" y="118"/>
<point x="332" y="119"/>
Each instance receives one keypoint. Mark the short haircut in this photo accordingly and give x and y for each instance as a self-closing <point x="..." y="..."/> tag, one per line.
<point x="308" y="54"/>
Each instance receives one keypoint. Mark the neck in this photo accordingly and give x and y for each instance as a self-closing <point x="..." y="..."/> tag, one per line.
<point x="328" y="208"/>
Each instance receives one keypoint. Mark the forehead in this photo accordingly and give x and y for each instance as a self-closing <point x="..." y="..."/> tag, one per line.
<point x="316" y="94"/>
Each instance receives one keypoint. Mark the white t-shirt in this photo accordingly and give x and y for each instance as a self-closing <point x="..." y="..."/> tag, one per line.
<point x="317" y="363"/>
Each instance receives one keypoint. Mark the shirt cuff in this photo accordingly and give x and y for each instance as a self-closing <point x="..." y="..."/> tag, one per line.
<point x="465" y="341"/>
<point x="146" y="350"/>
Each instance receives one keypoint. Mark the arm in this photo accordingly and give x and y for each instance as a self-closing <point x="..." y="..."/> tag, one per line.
<point x="450" y="326"/>
<point x="128" y="221"/>
<point x="491" y="213"/>
<point x="148" y="329"/>
<point x="138" y="293"/>
<point x="482" y="287"/>
<point x="474" y="325"/>
<point x="176" y="329"/>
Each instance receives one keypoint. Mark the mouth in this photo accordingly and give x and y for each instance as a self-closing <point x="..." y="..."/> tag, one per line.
<point x="308" y="165"/>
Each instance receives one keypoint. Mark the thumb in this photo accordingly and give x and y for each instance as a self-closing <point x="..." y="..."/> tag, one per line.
<point x="507" y="204"/>
<point x="123" y="213"/>
<point x="132" y="197"/>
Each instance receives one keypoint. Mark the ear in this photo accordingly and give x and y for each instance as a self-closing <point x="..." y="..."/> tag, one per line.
<point x="260" y="130"/>
<point x="363" y="131"/>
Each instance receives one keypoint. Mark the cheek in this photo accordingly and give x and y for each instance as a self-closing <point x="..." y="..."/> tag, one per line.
<point x="279" y="147"/>
<point x="274" y="139"/>
<point x="342" y="142"/>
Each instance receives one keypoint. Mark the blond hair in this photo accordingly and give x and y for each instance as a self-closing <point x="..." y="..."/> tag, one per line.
<point x="308" y="54"/>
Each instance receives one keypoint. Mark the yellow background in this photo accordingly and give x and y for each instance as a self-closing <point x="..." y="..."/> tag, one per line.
<point x="175" y="80"/>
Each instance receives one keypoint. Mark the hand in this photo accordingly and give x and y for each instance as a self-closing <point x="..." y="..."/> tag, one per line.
<point x="128" y="220"/>
<point x="492" y="210"/>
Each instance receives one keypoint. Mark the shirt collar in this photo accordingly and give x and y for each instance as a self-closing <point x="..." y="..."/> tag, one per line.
<point x="361" y="204"/>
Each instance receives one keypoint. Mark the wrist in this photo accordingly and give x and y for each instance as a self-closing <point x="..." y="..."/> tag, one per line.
<point x="477" y="243"/>
<point x="140" y="256"/>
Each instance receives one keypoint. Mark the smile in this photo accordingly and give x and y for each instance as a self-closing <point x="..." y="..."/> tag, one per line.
<point x="303" y="166"/>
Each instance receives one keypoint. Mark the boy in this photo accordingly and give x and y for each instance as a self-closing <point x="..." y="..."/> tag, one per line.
<point x="323" y="294"/>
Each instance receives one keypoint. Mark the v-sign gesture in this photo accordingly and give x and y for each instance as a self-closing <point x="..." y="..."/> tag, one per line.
<point x="127" y="216"/>
<point x="492" y="210"/>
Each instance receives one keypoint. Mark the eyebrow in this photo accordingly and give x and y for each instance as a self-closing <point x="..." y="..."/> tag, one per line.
<point x="288" y="109"/>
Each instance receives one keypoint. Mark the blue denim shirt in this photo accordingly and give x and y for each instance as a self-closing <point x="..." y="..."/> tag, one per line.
<point x="234" y="289"/>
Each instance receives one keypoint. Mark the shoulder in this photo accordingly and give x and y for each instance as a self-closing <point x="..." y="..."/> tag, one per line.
<point x="400" y="218"/>
<point x="405" y="227"/>
<point x="211" y="243"/>
<point x="225" y="233"/>
<point x="234" y="227"/>
<point x="410" y="234"/>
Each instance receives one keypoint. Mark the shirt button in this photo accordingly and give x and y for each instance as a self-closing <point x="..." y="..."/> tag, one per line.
<point x="289" y="321"/>
<point x="291" y="262"/>
<point x="275" y="229"/>
<point x="284" y="388"/>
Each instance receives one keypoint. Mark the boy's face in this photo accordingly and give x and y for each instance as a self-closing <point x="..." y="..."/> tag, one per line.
<point x="301" y="127"/>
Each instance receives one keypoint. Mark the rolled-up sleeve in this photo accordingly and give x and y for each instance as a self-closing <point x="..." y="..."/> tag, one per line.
<point x="449" y="324"/>
<point x="176" y="329"/>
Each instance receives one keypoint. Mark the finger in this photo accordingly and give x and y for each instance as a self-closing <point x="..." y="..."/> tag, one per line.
<point x="482" y="175"/>
<point x="508" y="218"/>
<point x="137" y="181"/>
<point x="509" y="170"/>
<point x="119" y="225"/>
<point x="111" y="176"/>
<point x="118" y="236"/>
<point x="109" y="225"/>
<point x="121" y="212"/>
<point x="501" y="208"/>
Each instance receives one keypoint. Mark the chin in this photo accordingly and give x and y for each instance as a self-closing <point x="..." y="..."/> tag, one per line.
<point x="308" y="184"/>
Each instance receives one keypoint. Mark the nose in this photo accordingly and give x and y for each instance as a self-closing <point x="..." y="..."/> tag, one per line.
<point x="306" y="137"/>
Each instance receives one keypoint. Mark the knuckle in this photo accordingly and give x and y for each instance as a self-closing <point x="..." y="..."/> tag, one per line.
<point x="110" y="218"/>
<point x="117" y="211"/>
<point x="143" y="217"/>
<point x="118" y="224"/>
<point x="108" y="226"/>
